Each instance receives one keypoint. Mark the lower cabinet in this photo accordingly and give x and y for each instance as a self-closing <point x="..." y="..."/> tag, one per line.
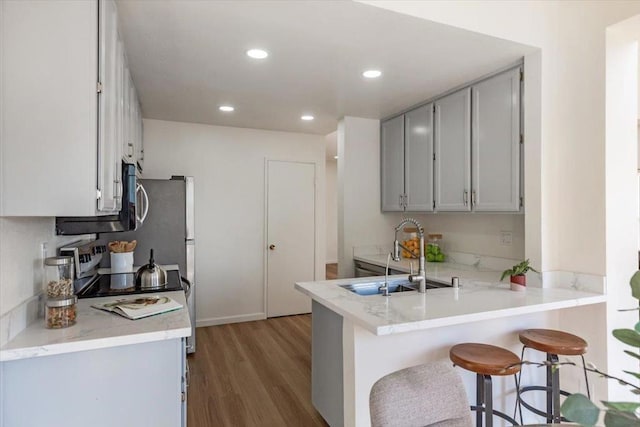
<point x="132" y="385"/>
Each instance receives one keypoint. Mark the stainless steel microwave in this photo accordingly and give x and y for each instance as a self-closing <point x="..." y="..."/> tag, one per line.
<point x="135" y="205"/>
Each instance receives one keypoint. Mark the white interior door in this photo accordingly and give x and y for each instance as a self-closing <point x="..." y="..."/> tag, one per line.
<point x="291" y="230"/>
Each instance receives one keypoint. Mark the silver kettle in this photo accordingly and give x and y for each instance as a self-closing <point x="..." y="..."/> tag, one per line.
<point x="151" y="276"/>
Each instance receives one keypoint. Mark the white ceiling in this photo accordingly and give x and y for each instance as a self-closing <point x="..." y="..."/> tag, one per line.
<point x="188" y="57"/>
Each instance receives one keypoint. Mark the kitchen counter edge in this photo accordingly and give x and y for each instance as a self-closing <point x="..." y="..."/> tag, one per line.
<point x="97" y="329"/>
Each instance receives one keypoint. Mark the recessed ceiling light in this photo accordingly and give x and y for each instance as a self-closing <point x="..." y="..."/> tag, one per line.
<point x="226" y="108"/>
<point x="257" y="53"/>
<point x="372" y="74"/>
<point x="307" y="117"/>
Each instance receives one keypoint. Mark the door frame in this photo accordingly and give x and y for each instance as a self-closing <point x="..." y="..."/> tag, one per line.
<point x="265" y="237"/>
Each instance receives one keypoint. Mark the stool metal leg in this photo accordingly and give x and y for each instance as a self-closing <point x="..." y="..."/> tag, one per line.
<point x="554" y="393"/>
<point x="488" y="401"/>
<point x="479" y="399"/>
<point x="586" y="380"/>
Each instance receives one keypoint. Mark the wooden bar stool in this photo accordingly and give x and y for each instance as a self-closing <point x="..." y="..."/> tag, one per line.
<point x="485" y="360"/>
<point x="553" y="343"/>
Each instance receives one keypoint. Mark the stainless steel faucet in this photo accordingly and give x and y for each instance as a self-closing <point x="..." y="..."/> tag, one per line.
<point x="422" y="275"/>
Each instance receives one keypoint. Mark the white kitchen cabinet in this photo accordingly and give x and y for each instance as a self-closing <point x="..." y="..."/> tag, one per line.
<point x="392" y="164"/>
<point x="496" y="143"/>
<point x="109" y="166"/>
<point x="129" y="385"/>
<point x="452" y="143"/>
<point x="60" y="154"/>
<point x="418" y="159"/>
<point x="407" y="161"/>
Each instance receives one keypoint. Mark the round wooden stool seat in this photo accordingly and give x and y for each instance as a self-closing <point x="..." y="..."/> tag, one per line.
<point x="485" y="359"/>
<point x="554" y="342"/>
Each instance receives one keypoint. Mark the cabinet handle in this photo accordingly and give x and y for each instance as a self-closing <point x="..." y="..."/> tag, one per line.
<point x="473" y="198"/>
<point x="130" y="149"/>
<point x="465" y="197"/>
<point x="401" y="201"/>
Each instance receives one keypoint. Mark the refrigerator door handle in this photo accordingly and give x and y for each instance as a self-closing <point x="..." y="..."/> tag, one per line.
<point x="189" y="209"/>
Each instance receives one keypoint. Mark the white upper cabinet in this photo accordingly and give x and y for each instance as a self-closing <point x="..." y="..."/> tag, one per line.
<point x="392" y="164"/>
<point x="496" y="143"/>
<point x="62" y="112"/>
<point x="109" y="167"/>
<point x="418" y="159"/>
<point x="453" y="152"/>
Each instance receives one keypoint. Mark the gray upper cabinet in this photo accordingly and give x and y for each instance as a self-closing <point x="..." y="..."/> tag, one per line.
<point x="418" y="159"/>
<point x="452" y="166"/>
<point x="392" y="164"/>
<point x="496" y="143"/>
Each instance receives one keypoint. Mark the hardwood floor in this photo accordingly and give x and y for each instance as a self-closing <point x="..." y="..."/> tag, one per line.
<point x="332" y="271"/>
<point x="253" y="374"/>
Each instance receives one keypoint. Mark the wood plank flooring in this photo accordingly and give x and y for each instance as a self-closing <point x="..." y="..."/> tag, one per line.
<point x="253" y="374"/>
<point x="331" y="271"/>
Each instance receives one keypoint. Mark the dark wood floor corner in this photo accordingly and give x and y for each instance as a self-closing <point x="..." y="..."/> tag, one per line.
<point x="253" y="374"/>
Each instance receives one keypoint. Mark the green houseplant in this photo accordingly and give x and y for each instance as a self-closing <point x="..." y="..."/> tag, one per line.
<point x="517" y="275"/>
<point x="578" y="408"/>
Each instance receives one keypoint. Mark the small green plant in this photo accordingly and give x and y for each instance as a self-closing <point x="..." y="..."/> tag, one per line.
<point x="578" y="408"/>
<point x="518" y="270"/>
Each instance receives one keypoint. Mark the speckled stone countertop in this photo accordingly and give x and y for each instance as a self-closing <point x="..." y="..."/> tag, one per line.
<point x="97" y="329"/>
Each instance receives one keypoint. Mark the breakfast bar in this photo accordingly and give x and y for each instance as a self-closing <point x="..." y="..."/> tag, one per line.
<point x="358" y="339"/>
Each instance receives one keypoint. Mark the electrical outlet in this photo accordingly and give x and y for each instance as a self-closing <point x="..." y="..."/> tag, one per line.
<point x="506" y="238"/>
<point x="44" y="251"/>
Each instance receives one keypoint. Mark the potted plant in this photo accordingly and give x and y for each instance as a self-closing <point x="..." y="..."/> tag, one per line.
<point x="517" y="273"/>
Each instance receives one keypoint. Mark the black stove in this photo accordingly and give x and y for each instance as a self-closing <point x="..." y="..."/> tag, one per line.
<point x="104" y="285"/>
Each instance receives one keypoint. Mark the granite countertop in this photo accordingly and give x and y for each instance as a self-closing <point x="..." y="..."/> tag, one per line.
<point x="480" y="297"/>
<point x="97" y="329"/>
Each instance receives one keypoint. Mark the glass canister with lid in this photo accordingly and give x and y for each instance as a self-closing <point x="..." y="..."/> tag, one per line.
<point x="411" y="242"/>
<point x="60" y="306"/>
<point x="435" y="248"/>
<point x="58" y="277"/>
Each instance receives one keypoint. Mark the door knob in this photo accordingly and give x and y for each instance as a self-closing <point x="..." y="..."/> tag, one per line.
<point x="272" y="247"/>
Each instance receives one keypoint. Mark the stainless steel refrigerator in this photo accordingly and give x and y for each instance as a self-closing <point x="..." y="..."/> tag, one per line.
<point x="168" y="229"/>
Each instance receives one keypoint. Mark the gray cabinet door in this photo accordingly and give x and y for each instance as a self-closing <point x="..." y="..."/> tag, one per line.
<point x="496" y="143"/>
<point x="392" y="164"/>
<point x="452" y="145"/>
<point x="418" y="159"/>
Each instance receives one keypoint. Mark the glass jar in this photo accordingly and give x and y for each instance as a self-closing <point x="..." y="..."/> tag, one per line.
<point x="411" y="241"/>
<point x="434" y="251"/>
<point x="60" y="312"/>
<point x="58" y="277"/>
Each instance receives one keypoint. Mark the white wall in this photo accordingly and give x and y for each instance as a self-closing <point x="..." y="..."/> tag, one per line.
<point x="572" y="209"/>
<point x="360" y="222"/>
<point x="22" y="269"/>
<point x="621" y="181"/>
<point x="331" y="216"/>
<point x="228" y="169"/>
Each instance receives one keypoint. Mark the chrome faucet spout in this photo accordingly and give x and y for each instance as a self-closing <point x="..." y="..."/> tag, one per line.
<point x="422" y="275"/>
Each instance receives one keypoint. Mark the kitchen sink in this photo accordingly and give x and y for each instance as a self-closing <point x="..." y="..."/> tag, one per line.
<point x="395" y="286"/>
<point x="372" y="288"/>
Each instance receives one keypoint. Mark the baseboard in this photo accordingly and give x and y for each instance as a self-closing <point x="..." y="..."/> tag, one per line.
<point x="212" y="321"/>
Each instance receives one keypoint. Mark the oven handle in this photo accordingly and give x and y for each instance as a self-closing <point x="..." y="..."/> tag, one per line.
<point x="186" y="285"/>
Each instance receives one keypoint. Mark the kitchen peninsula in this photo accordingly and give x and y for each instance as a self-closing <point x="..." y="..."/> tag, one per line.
<point x="358" y="339"/>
